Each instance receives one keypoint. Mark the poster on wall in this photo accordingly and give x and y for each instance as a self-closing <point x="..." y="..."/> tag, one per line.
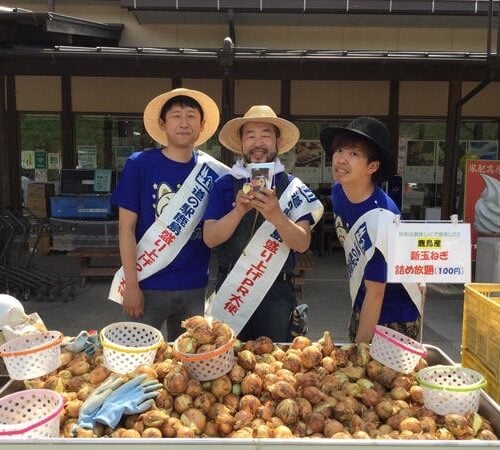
<point x="483" y="149"/>
<point x="54" y="161"/>
<point x="87" y="157"/>
<point x="28" y="159"/>
<point x="40" y="159"/>
<point x="122" y="153"/>
<point x="309" y="161"/>
<point x="41" y="175"/>
<point x="482" y="199"/>
<point x="420" y="161"/>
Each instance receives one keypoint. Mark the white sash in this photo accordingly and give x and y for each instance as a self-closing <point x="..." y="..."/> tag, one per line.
<point x="166" y="237"/>
<point x="367" y="234"/>
<point x="261" y="261"/>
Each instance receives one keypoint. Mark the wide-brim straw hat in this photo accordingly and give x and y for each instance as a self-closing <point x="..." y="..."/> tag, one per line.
<point x="151" y="117"/>
<point x="230" y="137"/>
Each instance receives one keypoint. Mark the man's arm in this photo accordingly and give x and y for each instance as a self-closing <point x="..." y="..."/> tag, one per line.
<point x="133" y="298"/>
<point x="216" y="232"/>
<point x="296" y="235"/>
<point x="370" y="311"/>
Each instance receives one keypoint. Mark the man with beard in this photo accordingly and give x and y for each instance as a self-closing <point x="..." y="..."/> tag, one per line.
<point x="256" y="234"/>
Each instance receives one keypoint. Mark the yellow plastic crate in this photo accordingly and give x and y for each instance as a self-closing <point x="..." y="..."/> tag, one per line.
<point x="481" y="324"/>
<point x="472" y="362"/>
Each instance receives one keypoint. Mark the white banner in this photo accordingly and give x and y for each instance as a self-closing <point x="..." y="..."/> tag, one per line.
<point x="166" y="237"/>
<point x="261" y="261"/>
<point x="426" y="252"/>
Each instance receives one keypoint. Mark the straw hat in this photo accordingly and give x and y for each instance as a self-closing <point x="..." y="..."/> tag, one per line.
<point x="152" y="111"/>
<point x="230" y="137"/>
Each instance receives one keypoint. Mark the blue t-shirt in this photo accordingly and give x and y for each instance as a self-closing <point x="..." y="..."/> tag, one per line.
<point x="397" y="305"/>
<point x="147" y="184"/>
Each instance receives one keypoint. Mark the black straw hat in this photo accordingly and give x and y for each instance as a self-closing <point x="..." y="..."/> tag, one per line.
<point x="375" y="132"/>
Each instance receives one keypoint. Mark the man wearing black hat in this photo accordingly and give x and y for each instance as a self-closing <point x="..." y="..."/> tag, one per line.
<point x="361" y="160"/>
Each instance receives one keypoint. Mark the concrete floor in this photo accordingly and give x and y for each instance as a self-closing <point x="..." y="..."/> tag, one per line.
<point x="326" y="292"/>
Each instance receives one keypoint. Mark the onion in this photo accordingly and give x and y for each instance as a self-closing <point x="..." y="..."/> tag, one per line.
<point x="221" y="329"/>
<point x="353" y="372"/>
<point x="246" y="359"/>
<point x="458" y="425"/>
<point x="360" y="435"/>
<point x="384" y="410"/>
<point x="288" y="411"/>
<point x="292" y="362"/>
<point x="311" y="356"/>
<point x="242" y="418"/>
<point x="373" y="369"/>
<point x="444" y="434"/>
<point x="305" y="407"/>
<point x="224" y="423"/>
<point x="182" y="403"/>
<point x="194" y="388"/>
<point x="262" y="369"/>
<point x="154" y="418"/>
<point x="342" y="435"/>
<point x="243" y="433"/>
<point x="210" y="429"/>
<point x="249" y="402"/>
<point x="399" y="393"/>
<point x="326" y="343"/>
<point x="402" y="381"/>
<point x="487" y="435"/>
<point x="204" y="401"/>
<point x="263" y="345"/>
<point x="216" y="409"/>
<point x="237" y="373"/>
<point x="187" y="344"/>
<point x="151" y="433"/>
<point x="331" y="427"/>
<point x="232" y="402"/>
<point x="362" y="356"/>
<point x="281" y="390"/>
<point x="263" y="431"/>
<point x="278" y="353"/>
<point x="287" y="375"/>
<point x="428" y="424"/>
<point x="313" y="394"/>
<point x="265" y="411"/>
<point x="370" y="397"/>
<point x="410" y="424"/>
<point x="221" y="386"/>
<point x="193" y="322"/>
<point x="300" y="342"/>
<point x="251" y="384"/>
<point x="176" y="381"/>
<point x="329" y="364"/>
<point x="269" y="379"/>
<point x="417" y="395"/>
<point x="282" y="432"/>
<point x="315" y="423"/>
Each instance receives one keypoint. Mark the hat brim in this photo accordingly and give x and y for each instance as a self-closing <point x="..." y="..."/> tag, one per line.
<point x="327" y="136"/>
<point x="211" y="115"/>
<point x="230" y="138"/>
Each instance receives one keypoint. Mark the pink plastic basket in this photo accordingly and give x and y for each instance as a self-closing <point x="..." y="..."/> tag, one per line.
<point x="34" y="413"/>
<point x="210" y="365"/>
<point x="33" y="355"/>
<point x="395" y="350"/>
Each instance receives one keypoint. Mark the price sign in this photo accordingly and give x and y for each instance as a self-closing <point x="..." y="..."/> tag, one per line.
<point x="429" y="253"/>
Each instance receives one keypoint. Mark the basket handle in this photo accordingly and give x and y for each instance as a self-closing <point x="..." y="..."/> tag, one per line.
<point x="38" y="348"/>
<point x="201" y="356"/>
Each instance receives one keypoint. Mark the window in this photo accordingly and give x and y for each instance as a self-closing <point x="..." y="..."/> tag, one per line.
<point x="106" y="141"/>
<point x="41" y="145"/>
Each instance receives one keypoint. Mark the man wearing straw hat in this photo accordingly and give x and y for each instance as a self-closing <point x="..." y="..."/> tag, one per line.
<point x="162" y="195"/>
<point x="257" y="232"/>
<point x="361" y="159"/>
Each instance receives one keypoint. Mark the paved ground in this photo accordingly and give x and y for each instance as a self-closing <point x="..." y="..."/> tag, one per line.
<point x="326" y="292"/>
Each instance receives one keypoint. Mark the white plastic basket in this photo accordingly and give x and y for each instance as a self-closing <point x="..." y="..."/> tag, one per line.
<point x="34" y="413"/>
<point x="128" y="345"/>
<point x="33" y="355"/>
<point x="395" y="350"/>
<point x="451" y="389"/>
<point x="209" y="365"/>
